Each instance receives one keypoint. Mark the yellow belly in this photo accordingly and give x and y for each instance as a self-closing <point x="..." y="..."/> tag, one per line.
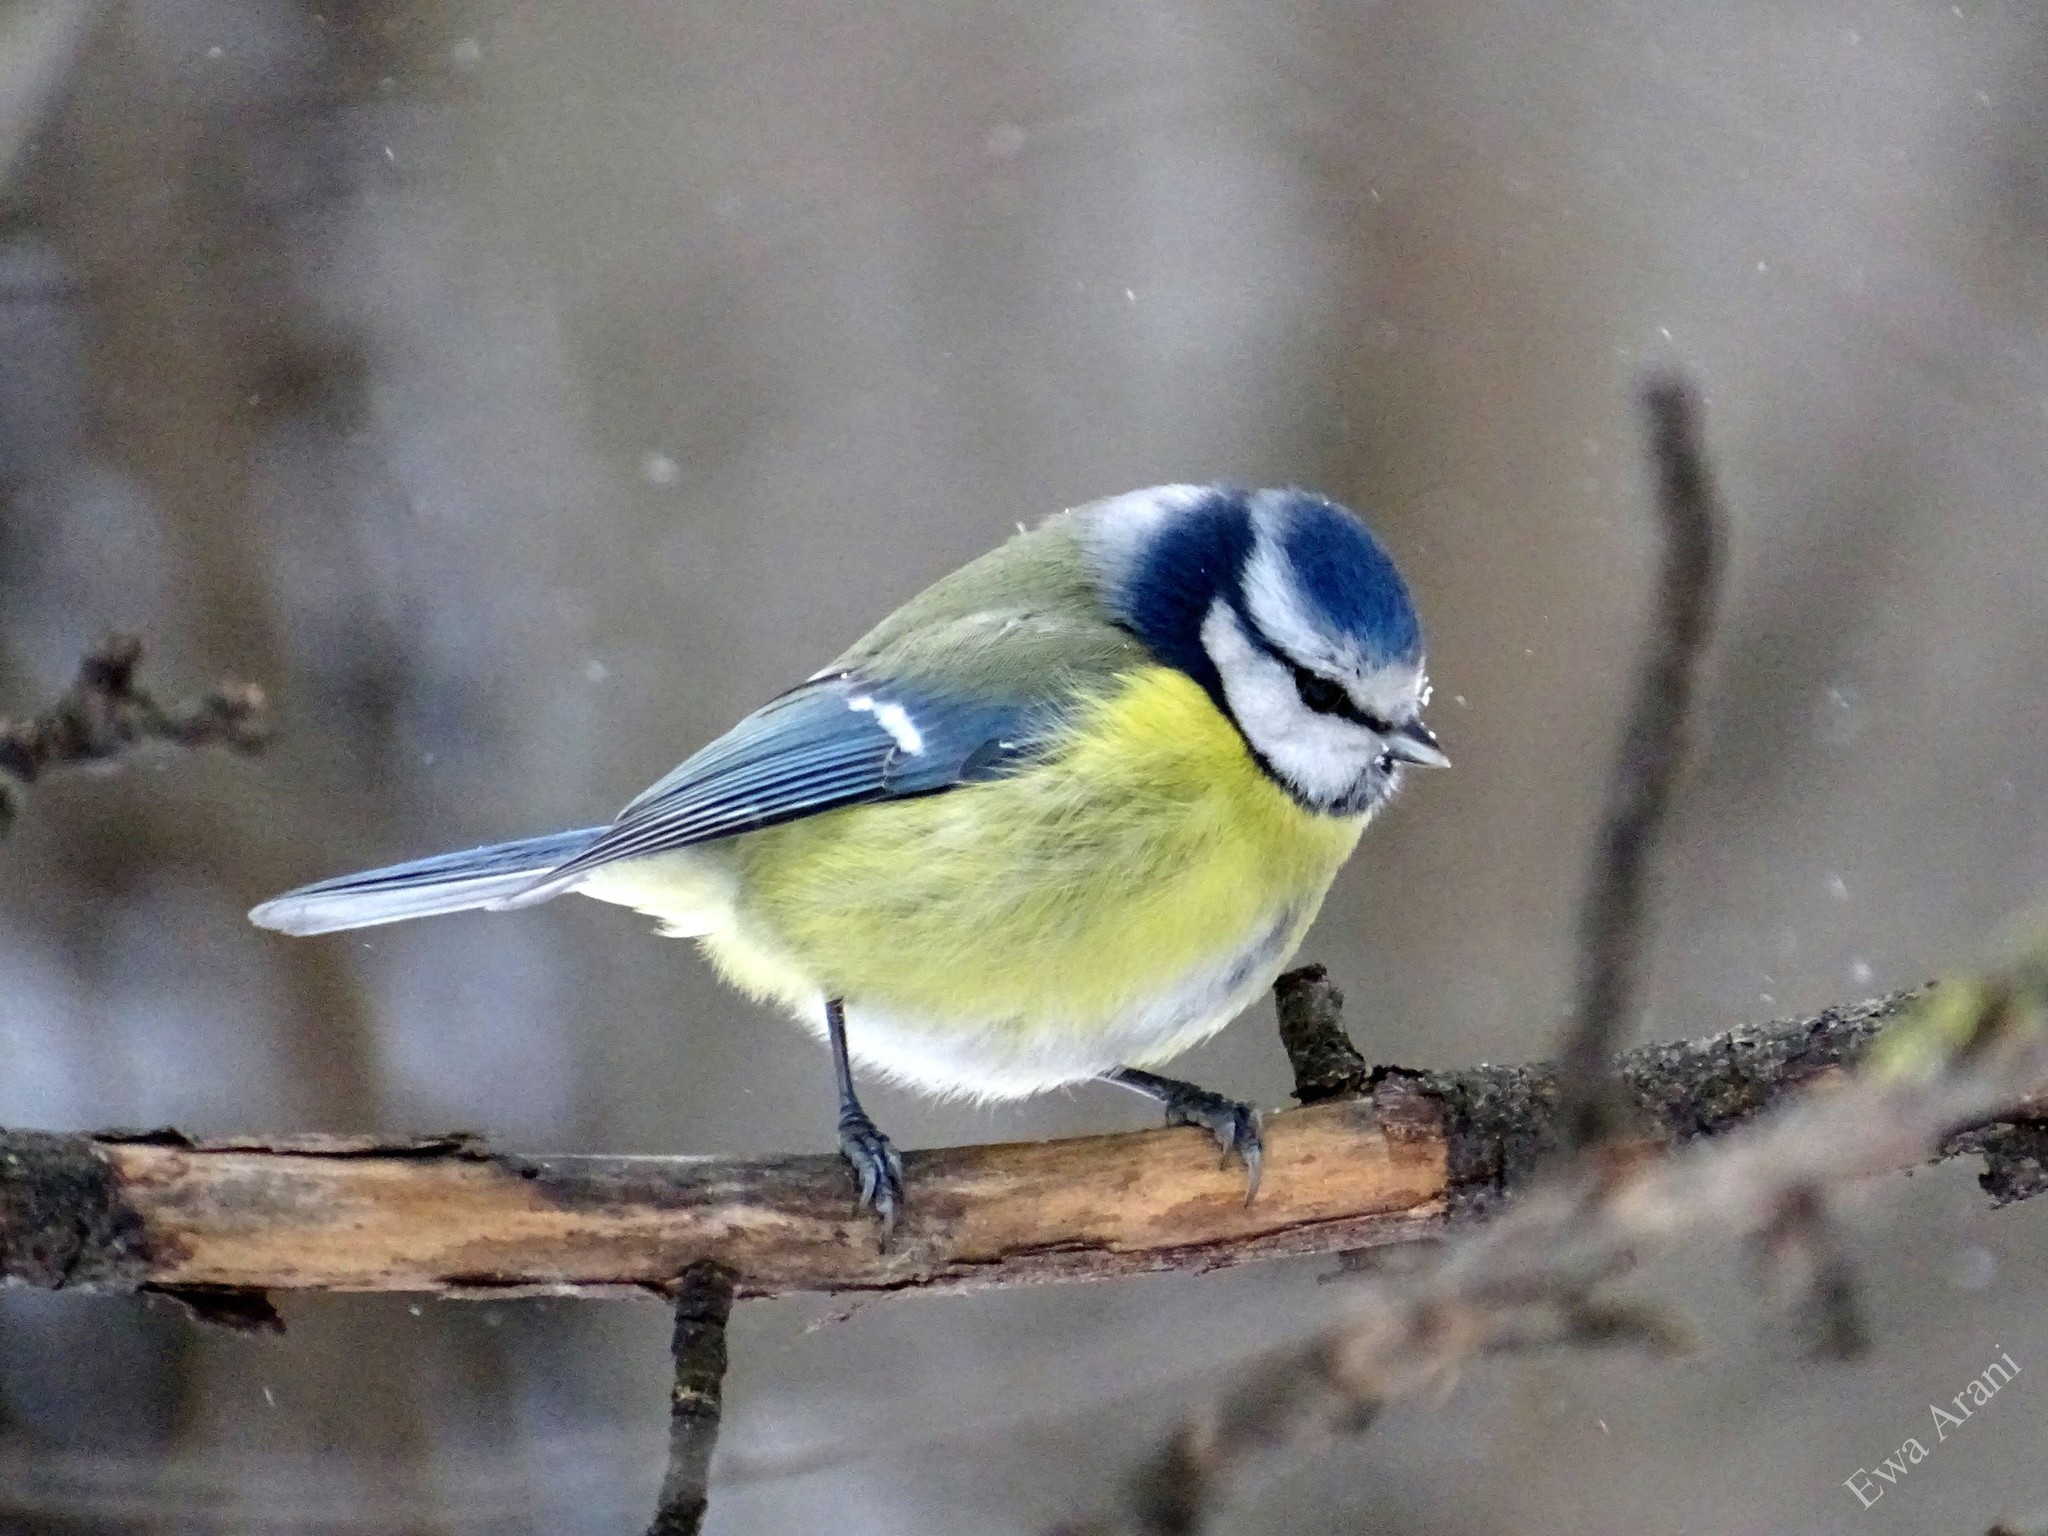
<point x="1115" y="902"/>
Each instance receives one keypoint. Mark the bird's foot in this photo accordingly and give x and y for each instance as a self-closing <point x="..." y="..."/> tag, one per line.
<point x="1234" y="1124"/>
<point x="875" y="1165"/>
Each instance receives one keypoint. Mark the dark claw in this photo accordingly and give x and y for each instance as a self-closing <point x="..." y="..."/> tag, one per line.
<point x="1234" y="1124"/>
<point x="875" y="1164"/>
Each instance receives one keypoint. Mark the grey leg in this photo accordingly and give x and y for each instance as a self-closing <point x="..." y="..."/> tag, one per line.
<point x="1235" y="1125"/>
<point x="874" y="1160"/>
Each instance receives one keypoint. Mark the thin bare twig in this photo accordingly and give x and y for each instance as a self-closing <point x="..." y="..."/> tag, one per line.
<point x="105" y="716"/>
<point x="1653" y="752"/>
<point x="697" y="1403"/>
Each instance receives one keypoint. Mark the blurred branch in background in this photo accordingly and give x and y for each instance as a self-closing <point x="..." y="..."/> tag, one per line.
<point x="1654" y="746"/>
<point x="105" y="716"/>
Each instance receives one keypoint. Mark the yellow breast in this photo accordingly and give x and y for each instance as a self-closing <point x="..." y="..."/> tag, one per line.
<point x="1148" y="848"/>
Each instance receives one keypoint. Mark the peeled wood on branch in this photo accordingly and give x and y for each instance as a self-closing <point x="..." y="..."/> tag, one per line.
<point x="212" y="1220"/>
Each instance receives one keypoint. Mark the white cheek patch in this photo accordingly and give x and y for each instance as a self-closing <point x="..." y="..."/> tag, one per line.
<point x="894" y="719"/>
<point x="1322" y="756"/>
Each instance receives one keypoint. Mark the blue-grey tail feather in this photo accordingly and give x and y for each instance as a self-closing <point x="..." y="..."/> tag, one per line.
<point x="448" y="882"/>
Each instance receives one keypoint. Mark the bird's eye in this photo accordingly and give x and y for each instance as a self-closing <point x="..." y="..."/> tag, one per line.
<point x="1323" y="695"/>
<point x="1327" y="696"/>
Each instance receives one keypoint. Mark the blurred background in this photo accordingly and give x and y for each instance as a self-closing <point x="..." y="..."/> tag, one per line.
<point x="521" y="392"/>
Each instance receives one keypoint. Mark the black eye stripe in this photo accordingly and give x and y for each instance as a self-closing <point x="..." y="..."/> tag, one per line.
<point x="1324" y="695"/>
<point x="1327" y="696"/>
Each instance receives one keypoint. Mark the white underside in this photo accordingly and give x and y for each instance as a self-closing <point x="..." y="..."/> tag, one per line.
<point x="1010" y="1059"/>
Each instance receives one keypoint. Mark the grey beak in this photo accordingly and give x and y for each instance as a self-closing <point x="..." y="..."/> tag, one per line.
<point x="1415" y="743"/>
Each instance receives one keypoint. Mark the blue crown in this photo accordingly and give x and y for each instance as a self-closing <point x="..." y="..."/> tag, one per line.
<point x="1344" y="573"/>
<point x="1347" y="573"/>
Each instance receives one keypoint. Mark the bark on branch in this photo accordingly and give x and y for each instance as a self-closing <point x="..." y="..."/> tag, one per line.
<point x="703" y="1301"/>
<point x="214" y="1221"/>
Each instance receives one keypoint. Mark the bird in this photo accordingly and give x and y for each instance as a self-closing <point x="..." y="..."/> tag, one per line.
<point x="1059" y="817"/>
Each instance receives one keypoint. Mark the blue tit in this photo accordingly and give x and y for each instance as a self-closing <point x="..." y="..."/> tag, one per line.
<point x="1059" y="817"/>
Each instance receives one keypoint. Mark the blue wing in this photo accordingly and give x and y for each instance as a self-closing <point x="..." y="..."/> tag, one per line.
<point x="832" y="742"/>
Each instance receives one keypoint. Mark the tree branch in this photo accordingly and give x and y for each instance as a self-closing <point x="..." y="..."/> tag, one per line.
<point x="211" y="1221"/>
<point x="697" y="1403"/>
<point x="105" y="716"/>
